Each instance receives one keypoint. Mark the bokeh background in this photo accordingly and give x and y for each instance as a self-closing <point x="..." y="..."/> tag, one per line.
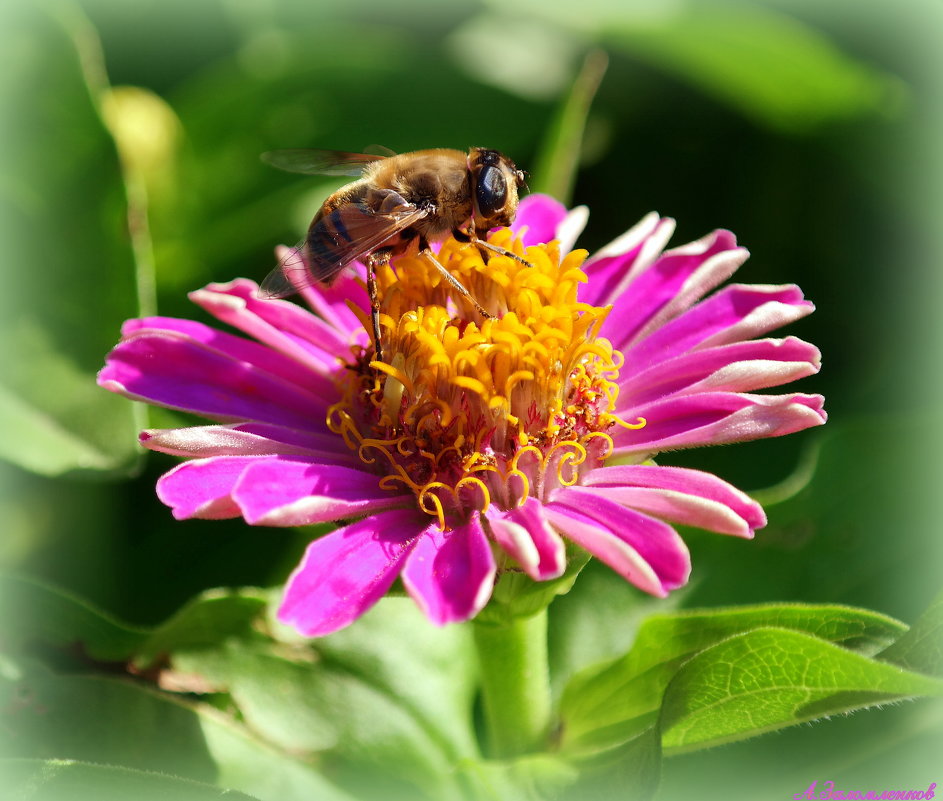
<point x="129" y="175"/>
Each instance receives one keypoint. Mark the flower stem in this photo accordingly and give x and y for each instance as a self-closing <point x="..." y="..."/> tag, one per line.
<point x="515" y="683"/>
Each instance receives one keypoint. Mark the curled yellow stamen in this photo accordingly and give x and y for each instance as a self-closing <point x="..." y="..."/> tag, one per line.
<point x="640" y="422"/>
<point x="437" y="511"/>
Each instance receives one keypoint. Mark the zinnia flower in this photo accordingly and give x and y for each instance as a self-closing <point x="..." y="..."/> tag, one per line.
<point x="479" y="444"/>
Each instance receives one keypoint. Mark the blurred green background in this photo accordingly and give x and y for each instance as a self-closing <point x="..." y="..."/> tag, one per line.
<point x="809" y="129"/>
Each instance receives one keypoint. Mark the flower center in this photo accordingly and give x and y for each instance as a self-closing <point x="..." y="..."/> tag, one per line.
<point x="468" y="411"/>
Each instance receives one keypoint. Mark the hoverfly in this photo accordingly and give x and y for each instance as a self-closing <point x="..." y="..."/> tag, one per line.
<point x="399" y="204"/>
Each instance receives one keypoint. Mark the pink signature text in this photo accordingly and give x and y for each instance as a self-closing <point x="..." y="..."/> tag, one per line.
<point x="829" y="793"/>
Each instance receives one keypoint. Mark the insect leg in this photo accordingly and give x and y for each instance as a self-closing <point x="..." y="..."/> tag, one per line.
<point x="501" y="251"/>
<point x="482" y="245"/>
<point x="373" y="261"/>
<point x="453" y="281"/>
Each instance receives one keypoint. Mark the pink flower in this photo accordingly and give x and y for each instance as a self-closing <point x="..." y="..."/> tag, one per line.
<point x="475" y="432"/>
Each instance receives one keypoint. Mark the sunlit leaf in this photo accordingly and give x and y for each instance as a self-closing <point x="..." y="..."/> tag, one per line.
<point x="37" y="613"/>
<point x="769" y="678"/>
<point x="522" y="55"/>
<point x="613" y="702"/>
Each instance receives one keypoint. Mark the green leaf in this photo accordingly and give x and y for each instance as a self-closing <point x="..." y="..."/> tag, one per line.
<point x="69" y="267"/>
<point x="921" y="648"/>
<point x="613" y="702"/>
<point x="770" y="678"/>
<point x="558" y="160"/>
<point x="117" y="722"/>
<point x="69" y="780"/>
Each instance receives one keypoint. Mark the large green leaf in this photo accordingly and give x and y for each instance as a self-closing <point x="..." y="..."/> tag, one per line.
<point x="613" y="702"/>
<point x="68" y="263"/>
<point x="769" y="678"/>
<point x="630" y="771"/>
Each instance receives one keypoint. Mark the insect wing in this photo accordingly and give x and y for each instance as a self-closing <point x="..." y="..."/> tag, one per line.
<point x="290" y="275"/>
<point x="352" y="231"/>
<point x="319" y="162"/>
<point x="339" y="238"/>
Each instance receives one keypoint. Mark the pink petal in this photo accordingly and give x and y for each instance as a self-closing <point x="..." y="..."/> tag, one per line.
<point x="714" y="418"/>
<point x="346" y="572"/>
<point x="247" y="439"/>
<point x="451" y="574"/>
<point x="572" y="226"/>
<point x="332" y="302"/>
<point x="739" y="367"/>
<point x="736" y="313"/>
<point x="540" y="215"/>
<point x="618" y="264"/>
<point x="172" y="369"/>
<point x="645" y="551"/>
<point x="238" y="348"/>
<point x="202" y="487"/>
<point x="679" y="495"/>
<point x="525" y="535"/>
<point x="293" y="492"/>
<point x="285" y="327"/>
<point x="673" y="283"/>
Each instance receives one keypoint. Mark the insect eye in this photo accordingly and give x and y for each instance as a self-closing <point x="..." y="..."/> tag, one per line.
<point x="491" y="191"/>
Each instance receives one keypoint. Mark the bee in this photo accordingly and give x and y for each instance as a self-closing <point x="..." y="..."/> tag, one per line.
<point x="399" y="204"/>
